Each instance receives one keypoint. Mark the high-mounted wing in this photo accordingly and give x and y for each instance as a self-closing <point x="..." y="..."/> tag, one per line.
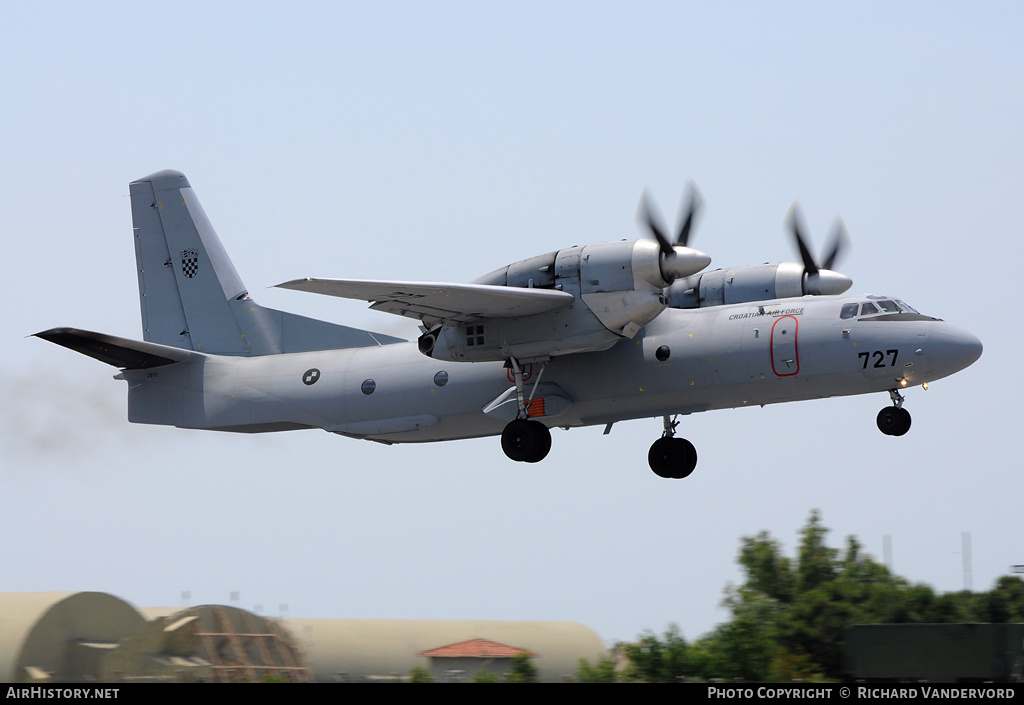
<point x="439" y="302"/>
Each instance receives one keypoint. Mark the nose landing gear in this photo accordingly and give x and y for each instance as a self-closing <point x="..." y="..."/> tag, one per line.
<point x="894" y="420"/>
<point x="671" y="457"/>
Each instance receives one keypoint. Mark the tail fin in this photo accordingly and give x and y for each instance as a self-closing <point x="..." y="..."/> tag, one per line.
<point x="192" y="297"/>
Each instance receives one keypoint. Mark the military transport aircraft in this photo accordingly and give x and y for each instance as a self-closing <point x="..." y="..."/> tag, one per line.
<point x="577" y="337"/>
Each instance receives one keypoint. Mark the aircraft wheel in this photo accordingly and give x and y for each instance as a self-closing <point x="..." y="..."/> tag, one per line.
<point x="886" y="420"/>
<point x="673" y="458"/>
<point x="660" y="457"/>
<point x="526" y="441"/>
<point x="904" y="422"/>
<point x="543" y="440"/>
<point x="893" y="421"/>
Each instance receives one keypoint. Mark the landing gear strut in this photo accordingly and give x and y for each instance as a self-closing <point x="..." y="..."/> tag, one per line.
<point x="894" y="420"/>
<point x="524" y="440"/>
<point x="672" y="457"/>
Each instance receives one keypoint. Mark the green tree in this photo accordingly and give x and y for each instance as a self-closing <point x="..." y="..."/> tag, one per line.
<point x="746" y="644"/>
<point x="1005" y="603"/>
<point x="601" y="672"/>
<point x="523" y="670"/>
<point x="817" y="563"/>
<point x="419" y="674"/>
<point x="658" y="660"/>
<point x="789" y="618"/>
<point x="768" y="571"/>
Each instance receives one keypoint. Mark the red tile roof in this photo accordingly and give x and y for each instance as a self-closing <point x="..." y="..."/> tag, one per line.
<point x="478" y="648"/>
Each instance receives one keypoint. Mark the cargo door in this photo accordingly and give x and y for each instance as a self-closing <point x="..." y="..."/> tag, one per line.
<point x="785" y="353"/>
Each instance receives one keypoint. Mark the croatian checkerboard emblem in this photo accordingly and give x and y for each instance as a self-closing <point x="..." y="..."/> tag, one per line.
<point x="310" y="376"/>
<point x="189" y="263"/>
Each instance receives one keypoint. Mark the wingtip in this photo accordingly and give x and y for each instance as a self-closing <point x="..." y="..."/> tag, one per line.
<point x="50" y="333"/>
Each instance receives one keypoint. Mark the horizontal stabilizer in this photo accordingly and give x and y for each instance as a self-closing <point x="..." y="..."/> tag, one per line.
<point x="439" y="302"/>
<point x="119" y="352"/>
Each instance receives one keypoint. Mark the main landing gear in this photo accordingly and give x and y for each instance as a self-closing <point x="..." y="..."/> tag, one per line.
<point x="894" y="420"/>
<point x="672" y="457"/>
<point x="524" y="440"/>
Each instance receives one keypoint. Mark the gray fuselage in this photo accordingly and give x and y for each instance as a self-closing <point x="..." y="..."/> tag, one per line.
<point x="717" y="357"/>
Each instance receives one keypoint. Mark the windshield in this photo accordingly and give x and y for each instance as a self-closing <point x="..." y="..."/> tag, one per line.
<point x="877" y="306"/>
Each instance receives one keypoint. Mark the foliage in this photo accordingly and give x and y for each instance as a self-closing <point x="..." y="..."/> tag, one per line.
<point x="523" y="670"/>
<point x="601" y="672"/>
<point x="1005" y="603"/>
<point x="655" y="660"/>
<point x="743" y="646"/>
<point x="419" y="674"/>
<point x="483" y="676"/>
<point x="789" y="617"/>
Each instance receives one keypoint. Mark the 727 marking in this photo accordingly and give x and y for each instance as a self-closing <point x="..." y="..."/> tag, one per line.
<point x="879" y="358"/>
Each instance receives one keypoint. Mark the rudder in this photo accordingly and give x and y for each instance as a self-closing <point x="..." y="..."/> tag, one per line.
<point x="185" y="277"/>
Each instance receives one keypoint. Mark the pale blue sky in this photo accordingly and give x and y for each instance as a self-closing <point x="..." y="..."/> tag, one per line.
<point x="443" y="140"/>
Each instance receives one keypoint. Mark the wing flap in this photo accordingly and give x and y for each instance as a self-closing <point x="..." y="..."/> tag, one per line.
<point x="439" y="301"/>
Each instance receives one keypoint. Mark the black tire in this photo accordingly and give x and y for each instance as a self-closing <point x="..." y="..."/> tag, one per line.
<point x="672" y="458"/>
<point x="687" y="458"/>
<point x="542" y="441"/>
<point x="518" y="440"/>
<point x="526" y="441"/>
<point x="902" y="422"/>
<point x="661" y="458"/>
<point x="888" y="420"/>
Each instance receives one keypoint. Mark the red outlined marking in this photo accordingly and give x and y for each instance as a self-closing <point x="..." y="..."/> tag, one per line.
<point x="784" y="347"/>
<point x="527" y="373"/>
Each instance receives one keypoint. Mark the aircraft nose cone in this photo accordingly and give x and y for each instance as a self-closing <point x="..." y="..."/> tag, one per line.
<point x="953" y="349"/>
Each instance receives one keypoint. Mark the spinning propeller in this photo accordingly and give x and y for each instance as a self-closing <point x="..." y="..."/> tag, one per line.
<point x="677" y="260"/>
<point x="820" y="280"/>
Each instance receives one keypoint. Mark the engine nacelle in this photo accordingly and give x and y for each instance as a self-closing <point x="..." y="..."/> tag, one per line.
<point x="610" y="266"/>
<point x="760" y="282"/>
<point x="618" y="289"/>
<point x="526" y="339"/>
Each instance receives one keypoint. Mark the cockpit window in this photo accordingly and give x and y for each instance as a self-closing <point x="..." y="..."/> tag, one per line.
<point x="880" y="306"/>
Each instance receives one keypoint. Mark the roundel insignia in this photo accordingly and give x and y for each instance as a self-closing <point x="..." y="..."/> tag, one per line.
<point x="310" y="376"/>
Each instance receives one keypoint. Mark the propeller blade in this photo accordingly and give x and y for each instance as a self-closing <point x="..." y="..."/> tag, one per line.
<point x="793" y="221"/>
<point x="645" y="215"/>
<point x="840" y="238"/>
<point x="696" y="203"/>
